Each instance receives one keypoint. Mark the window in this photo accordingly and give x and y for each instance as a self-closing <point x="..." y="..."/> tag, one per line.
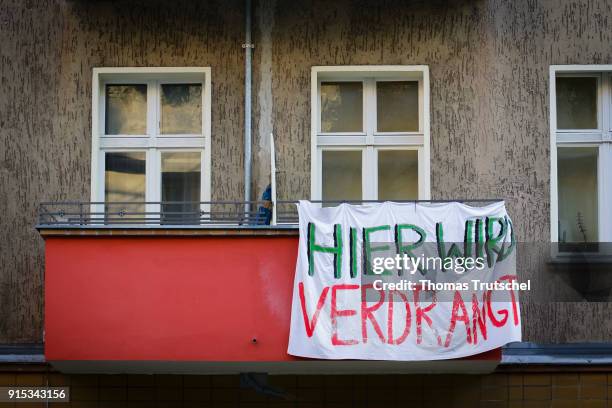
<point x="151" y="142"/>
<point x="370" y="133"/>
<point x="581" y="154"/>
<point x="125" y="181"/>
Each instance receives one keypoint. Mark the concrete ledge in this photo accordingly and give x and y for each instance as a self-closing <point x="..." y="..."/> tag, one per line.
<point x="557" y="354"/>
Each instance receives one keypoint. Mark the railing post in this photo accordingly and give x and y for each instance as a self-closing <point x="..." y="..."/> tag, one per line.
<point x="273" y="178"/>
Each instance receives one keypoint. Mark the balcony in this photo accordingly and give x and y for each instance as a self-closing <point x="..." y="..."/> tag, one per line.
<point x="186" y="214"/>
<point x="182" y="288"/>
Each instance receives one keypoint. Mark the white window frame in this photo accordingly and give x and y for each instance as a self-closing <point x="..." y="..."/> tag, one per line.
<point x="153" y="143"/>
<point x="600" y="137"/>
<point x="369" y="140"/>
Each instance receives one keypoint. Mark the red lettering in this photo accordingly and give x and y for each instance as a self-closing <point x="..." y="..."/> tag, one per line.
<point x="406" y="331"/>
<point x="503" y="312"/>
<point x="368" y="313"/>
<point x="515" y="313"/>
<point x="479" y="318"/>
<point x="310" y="325"/>
<point x="458" y="304"/>
<point x="421" y="314"/>
<point x="335" y="313"/>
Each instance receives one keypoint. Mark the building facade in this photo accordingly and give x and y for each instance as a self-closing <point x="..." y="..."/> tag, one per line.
<point x="144" y="102"/>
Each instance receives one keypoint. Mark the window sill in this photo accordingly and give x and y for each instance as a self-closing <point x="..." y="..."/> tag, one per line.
<point x="581" y="259"/>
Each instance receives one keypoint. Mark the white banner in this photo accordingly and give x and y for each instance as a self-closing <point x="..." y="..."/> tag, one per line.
<point x="404" y="281"/>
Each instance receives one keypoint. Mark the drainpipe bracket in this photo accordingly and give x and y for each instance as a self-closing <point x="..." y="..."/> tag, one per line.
<point x="248" y="45"/>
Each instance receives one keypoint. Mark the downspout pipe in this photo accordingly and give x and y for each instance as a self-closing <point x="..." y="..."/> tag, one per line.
<point x="248" y="66"/>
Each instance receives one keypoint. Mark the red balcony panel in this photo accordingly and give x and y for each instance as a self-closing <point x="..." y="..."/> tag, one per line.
<point x="187" y="298"/>
<point x="180" y="299"/>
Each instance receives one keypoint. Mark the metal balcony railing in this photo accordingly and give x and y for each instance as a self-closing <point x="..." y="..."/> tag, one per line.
<point x="187" y="214"/>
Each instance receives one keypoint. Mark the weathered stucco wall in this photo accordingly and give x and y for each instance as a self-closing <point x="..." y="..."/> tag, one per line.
<point x="489" y="106"/>
<point x="489" y="64"/>
<point x="47" y="52"/>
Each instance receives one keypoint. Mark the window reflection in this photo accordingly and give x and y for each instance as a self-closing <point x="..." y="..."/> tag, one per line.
<point x="126" y="110"/>
<point x="577" y="185"/>
<point x="180" y="184"/>
<point x="341" y="107"/>
<point x="397" y="106"/>
<point x="181" y="109"/>
<point x="576" y="102"/>
<point x="124" y="184"/>
<point x="341" y="175"/>
<point x="398" y="175"/>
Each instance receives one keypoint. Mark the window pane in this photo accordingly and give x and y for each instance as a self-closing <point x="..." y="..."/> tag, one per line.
<point x="181" y="183"/>
<point x="341" y="175"/>
<point x="576" y="103"/>
<point x="124" y="182"/>
<point x="577" y="184"/>
<point x="397" y="106"/>
<point x="181" y="109"/>
<point x="341" y="107"/>
<point x="126" y="110"/>
<point x="398" y="174"/>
